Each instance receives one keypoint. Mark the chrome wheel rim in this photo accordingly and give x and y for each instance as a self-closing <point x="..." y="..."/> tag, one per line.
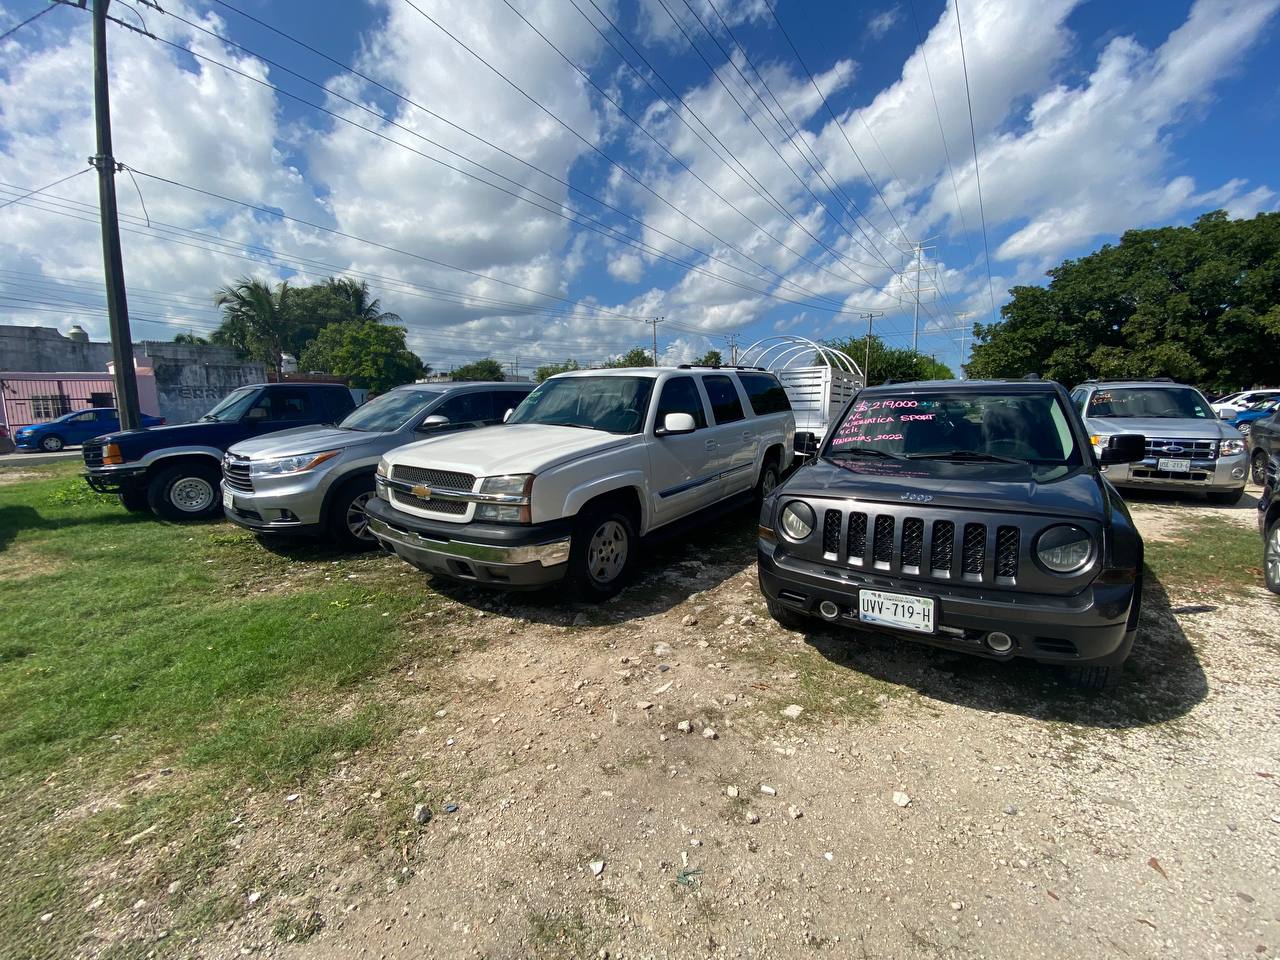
<point x="1259" y="469"/>
<point x="770" y="481"/>
<point x="192" y="494"/>
<point x="1271" y="556"/>
<point x="607" y="552"/>
<point x="51" y="443"/>
<point x="358" y="519"/>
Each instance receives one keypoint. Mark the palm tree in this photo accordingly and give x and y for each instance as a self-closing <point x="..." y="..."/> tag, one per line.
<point x="255" y="319"/>
<point x="356" y="294"/>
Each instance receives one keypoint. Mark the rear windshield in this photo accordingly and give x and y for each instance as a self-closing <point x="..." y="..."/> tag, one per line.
<point x="1160" y="403"/>
<point x="391" y="411"/>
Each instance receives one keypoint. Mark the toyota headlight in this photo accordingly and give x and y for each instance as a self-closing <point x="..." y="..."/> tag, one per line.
<point x="509" y="501"/>
<point x="1229" y="448"/>
<point x="797" y="520"/>
<point x="283" y="466"/>
<point x="1064" y="548"/>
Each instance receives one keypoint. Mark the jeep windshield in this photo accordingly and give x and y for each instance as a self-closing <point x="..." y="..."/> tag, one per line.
<point x="233" y="405"/>
<point x="1029" y="429"/>
<point x="1161" y="403"/>
<point x="611" y="404"/>
<point x="389" y="412"/>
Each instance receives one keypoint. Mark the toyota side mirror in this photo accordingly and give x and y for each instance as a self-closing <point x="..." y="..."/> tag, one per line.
<point x="433" y="421"/>
<point x="674" y="424"/>
<point x="1124" y="448"/>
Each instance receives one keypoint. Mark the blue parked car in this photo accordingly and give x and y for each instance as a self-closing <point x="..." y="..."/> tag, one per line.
<point x="1243" y="421"/>
<point x="72" y="428"/>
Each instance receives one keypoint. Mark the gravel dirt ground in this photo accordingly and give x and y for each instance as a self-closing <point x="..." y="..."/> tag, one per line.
<point x="673" y="775"/>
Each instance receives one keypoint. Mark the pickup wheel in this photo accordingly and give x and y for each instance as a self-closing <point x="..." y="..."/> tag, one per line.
<point x="1271" y="557"/>
<point x="601" y="552"/>
<point x="348" y="523"/>
<point x="52" y="443"/>
<point x="1091" y="677"/>
<point x="188" y="491"/>
<point x="134" y="499"/>
<point x="784" y="616"/>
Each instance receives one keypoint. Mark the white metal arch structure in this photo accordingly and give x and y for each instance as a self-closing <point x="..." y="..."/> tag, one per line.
<point x="819" y="379"/>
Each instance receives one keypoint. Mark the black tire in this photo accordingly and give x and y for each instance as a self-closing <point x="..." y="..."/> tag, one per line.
<point x="784" y="616"/>
<point x="770" y="477"/>
<point x="52" y="443"/>
<point x="1095" y="678"/>
<point x="1271" y="557"/>
<point x="1225" y="498"/>
<point x="602" y="552"/>
<point x="134" y="499"/>
<point x="1258" y="467"/>
<point x="347" y="524"/>
<point x="188" y="491"/>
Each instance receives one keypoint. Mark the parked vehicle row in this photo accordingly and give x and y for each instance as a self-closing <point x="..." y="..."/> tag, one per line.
<point x="73" y="428"/>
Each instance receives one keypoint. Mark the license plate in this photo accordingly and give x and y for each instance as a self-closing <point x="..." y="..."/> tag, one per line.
<point x="896" y="610"/>
<point x="228" y="499"/>
<point x="1174" y="466"/>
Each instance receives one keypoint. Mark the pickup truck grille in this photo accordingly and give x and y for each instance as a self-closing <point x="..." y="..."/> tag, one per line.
<point x="436" y="480"/>
<point x="235" y="471"/>
<point x="1189" y="449"/>
<point x="91" y="450"/>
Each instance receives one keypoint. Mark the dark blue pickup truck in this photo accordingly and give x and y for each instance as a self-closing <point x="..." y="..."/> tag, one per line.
<point x="174" y="471"/>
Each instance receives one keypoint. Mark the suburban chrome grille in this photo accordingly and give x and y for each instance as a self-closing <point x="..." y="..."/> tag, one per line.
<point x="912" y="541"/>
<point x="436" y="479"/>
<point x="831" y="532"/>
<point x="1007" y="552"/>
<point x="454" y="508"/>
<point x="235" y="471"/>
<point x="974" y="550"/>
<point x="1183" y="449"/>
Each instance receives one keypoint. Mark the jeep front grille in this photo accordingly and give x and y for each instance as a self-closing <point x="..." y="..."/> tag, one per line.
<point x="857" y="535"/>
<point x="235" y="471"/>
<point x="1183" y="449"/>
<point x="944" y="542"/>
<point x="1007" y="552"/>
<point x="831" y="532"/>
<point x="912" y="542"/>
<point x="882" y="543"/>
<point x="974" y="547"/>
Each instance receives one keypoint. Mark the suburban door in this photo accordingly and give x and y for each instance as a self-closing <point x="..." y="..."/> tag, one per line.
<point x="736" y="440"/>
<point x="684" y="466"/>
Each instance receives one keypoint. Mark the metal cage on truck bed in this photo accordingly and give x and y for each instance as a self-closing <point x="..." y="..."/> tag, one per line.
<point x="819" y="381"/>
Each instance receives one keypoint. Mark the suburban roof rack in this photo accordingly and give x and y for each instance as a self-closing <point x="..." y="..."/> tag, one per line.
<point x="1130" y="380"/>
<point x="716" y="366"/>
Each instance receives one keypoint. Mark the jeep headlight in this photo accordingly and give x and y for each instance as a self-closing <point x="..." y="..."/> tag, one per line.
<point x="283" y="466"/>
<point x="510" y="498"/>
<point x="797" y="520"/>
<point x="1064" y="548"/>
<point x="1229" y="448"/>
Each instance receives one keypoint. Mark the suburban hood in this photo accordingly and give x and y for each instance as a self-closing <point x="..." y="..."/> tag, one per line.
<point x="507" y="448"/>
<point x="1162" y="428"/>
<point x="300" y="440"/>
<point x="1007" y="488"/>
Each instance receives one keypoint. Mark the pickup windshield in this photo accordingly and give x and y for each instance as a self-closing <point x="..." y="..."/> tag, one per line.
<point x="391" y="411"/>
<point x="611" y="404"/>
<point x="233" y="405"/>
<point x="1163" y="403"/>
<point x="958" y="427"/>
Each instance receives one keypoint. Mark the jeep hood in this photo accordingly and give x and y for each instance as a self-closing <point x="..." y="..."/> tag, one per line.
<point x="299" y="440"/>
<point x="507" y="448"/>
<point x="1163" y="428"/>
<point x="1008" y="488"/>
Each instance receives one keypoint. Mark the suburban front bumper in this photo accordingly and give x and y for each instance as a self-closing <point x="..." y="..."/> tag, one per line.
<point x="1218" y="475"/>
<point x="517" y="556"/>
<point x="1089" y="627"/>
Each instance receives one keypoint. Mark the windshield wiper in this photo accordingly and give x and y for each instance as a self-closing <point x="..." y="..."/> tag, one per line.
<point x="864" y="452"/>
<point x="972" y="455"/>
<point x="558" y="423"/>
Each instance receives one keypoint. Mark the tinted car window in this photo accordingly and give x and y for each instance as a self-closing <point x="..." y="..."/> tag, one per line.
<point x="680" y="395"/>
<point x="765" y="393"/>
<point x="725" y="405"/>
<point x="1172" y="403"/>
<point x="505" y="400"/>
<point x="390" y="411"/>
<point x="467" y="408"/>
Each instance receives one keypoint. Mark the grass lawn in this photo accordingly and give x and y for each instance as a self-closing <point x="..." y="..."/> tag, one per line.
<point x="1209" y="554"/>
<point x="190" y="651"/>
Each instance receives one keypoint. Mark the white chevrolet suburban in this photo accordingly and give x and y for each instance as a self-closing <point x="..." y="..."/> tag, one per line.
<point x="589" y="462"/>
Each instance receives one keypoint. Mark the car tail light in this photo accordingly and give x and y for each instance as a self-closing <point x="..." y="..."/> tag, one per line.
<point x="111" y="454"/>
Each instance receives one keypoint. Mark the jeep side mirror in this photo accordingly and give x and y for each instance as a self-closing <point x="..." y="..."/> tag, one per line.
<point x="433" y="421"/>
<point x="507" y="416"/>
<point x="674" y="424"/>
<point x="1124" y="448"/>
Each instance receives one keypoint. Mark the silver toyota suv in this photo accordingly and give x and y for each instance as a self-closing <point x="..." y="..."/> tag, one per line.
<point x="1188" y="447"/>
<point x="317" y="480"/>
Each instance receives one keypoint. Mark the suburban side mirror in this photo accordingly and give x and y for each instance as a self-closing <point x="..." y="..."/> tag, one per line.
<point x="433" y="421"/>
<point x="1125" y="448"/>
<point x="256" y="413"/>
<point x="676" y="423"/>
<point x="507" y="416"/>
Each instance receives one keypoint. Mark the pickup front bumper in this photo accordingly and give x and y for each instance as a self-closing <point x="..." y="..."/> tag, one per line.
<point x="514" y="556"/>
<point x="1090" y="627"/>
<point x="114" y="478"/>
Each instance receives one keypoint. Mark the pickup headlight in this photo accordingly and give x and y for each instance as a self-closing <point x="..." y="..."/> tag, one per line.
<point x="1229" y="448"/>
<point x="797" y="520"/>
<point x="515" y="490"/>
<point x="1064" y="548"/>
<point x="384" y="468"/>
<point x="283" y="466"/>
<point x="1099" y="442"/>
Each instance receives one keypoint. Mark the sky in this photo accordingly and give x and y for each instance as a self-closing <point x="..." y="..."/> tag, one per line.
<point x="534" y="180"/>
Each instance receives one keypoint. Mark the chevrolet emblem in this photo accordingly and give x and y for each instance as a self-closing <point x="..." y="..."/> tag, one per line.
<point x="422" y="492"/>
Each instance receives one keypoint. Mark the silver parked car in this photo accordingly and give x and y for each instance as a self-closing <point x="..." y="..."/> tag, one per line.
<point x="1188" y="448"/>
<point x="316" y="480"/>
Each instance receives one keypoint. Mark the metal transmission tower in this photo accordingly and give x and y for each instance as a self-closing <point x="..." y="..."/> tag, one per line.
<point x="654" y="321"/>
<point x="965" y="329"/>
<point x="732" y="340"/>
<point x="918" y="278"/>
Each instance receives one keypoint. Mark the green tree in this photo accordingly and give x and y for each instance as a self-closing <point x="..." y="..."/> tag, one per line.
<point x="369" y="354"/>
<point x="891" y="363"/>
<point x="256" y="320"/>
<point x="189" y="338"/>
<point x="486" y="369"/>
<point x="1199" y="304"/>
<point x="711" y="358"/>
<point x="337" y="300"/>
<point x="635" y="357"/>
<point x="551" y="369"/>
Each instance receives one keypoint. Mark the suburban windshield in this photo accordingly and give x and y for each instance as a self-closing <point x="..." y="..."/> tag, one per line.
<point x="233" y="405"/>
<point x="612" y="404"/>
<point x="391" y="411"/>
<point x="1163" y="403"/>
<point x="960" y="426"/>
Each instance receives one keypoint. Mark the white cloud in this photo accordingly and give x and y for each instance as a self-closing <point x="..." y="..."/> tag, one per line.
<point x="884" y="21"/>
<point x="627" y="266"/>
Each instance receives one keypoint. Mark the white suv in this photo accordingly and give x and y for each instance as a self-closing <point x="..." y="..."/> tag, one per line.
<point x="587" y="464"/>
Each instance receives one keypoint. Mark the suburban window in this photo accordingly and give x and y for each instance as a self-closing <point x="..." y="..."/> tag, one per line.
<point x="725" y="405"/>
<point x="765" y="393"/>
<point x="680" y="395"/>
<point x="467" y="408"/>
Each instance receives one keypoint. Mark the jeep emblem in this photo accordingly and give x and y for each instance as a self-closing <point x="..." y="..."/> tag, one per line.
<point x="917" y="497"/>
<point x="421" y="492"/>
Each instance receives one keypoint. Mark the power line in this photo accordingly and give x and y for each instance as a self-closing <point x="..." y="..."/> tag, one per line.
<point x="977" y="173"/>
<point x="36" y="16"/>
<point x="47" y="186"/>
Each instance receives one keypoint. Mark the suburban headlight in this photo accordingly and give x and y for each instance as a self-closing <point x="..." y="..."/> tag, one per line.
<point x="1064" y="548"/>
<point x="384" y="468"/>
<point x="797" y="520"/>
<point x="1229" y="448"/>
<point x="518" y="486"/>
<point x="282" y="466"/>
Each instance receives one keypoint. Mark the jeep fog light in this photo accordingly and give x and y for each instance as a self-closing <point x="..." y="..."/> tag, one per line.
<point x="797" y="520"/>
<point x="1064" y="548"/>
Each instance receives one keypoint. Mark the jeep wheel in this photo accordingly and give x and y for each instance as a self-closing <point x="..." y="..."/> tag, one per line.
<point x="51" y="444"/>
<point x="1258" y="467"/>
<point x="348" y="522"/>
<point x="601" y="552"/>
<point x="134" y="499"/>
<point x="784" y="616"/>
<point x="1225" y="498"/>
<point x="1271" y="557"/>
<point x="1091" y="677"/>
<point x="185" y="492"/>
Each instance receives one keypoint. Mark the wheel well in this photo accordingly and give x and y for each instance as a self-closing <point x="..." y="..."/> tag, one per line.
<point x="1273" y="516"/>
<point x="164" y="463"/>
<point x="626" y="498"/>
<point x="773" y="453"/>
<point x="342" y="483"/>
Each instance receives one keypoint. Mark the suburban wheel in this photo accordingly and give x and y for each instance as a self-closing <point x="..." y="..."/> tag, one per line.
<point x="1271" y="557"/>
<point x="1225" y="498"/>
<point x="52" y="443"/>
<point x="1258" y="467"/>
<point x="769" y="478"/>
<point x="185" y="492"/>
<point x="785" y="616"/>
<point x="1089" y="677"/>
<point x="601" y="552"/>
<point x="135" y="500"/>
<point x="348" y="522"/>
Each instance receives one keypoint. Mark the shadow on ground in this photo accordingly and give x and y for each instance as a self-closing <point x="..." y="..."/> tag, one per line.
<point x="19" y="518"/>
<point x="1162" y="680"/>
